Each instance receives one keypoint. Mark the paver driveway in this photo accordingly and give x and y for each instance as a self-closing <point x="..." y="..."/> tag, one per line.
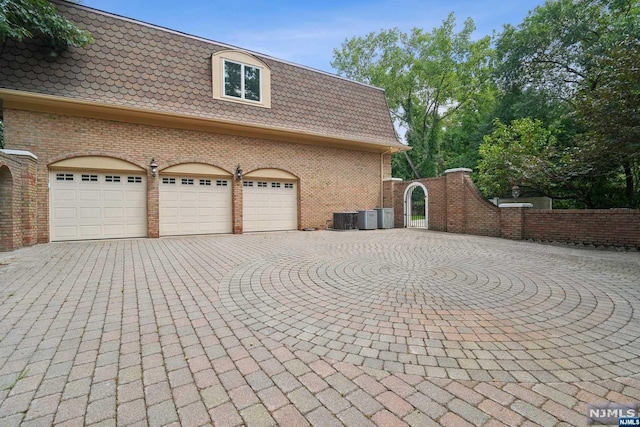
<point x="384" y="327"/>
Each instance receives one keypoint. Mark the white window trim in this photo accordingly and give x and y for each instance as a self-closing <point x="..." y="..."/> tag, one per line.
<point x="245" y="59"/>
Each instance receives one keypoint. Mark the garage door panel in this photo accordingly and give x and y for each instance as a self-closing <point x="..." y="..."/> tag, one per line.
<point x="87" y="206"/>
<point x="88" y="195"/>
<point x="114" y="195"/>
<point x="194" y="206"/>
<point x="169" y="212"/>
<point x="68" y="232"/>
<point x="111" y="213"/>
<point x="135" y="213"/>
<point x="67" y="194"/>
<point x="89" y="213"/>
<point x="114" y="230"/>
<point x="207" y="198"/>
<point x="188" y="197"/>
<point x="92" y="232"/>
<point x="206" y="212"/>
<point x="171" y="196"/>
<point x="65" y="213"/>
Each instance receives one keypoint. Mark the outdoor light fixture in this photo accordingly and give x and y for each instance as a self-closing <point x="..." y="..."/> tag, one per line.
<point x="515" y="191"/>
<point x="238" y="173"/>
<point x="153" y="166"/>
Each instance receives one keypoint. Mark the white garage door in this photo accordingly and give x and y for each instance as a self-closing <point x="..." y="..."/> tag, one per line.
<point x="269" y="206"/>
<point x="194" y="205"/>
<point x="97" y="205"/>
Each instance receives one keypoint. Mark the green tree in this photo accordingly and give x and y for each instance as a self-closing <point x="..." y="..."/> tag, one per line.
<point x="573" y="65"/>
<point x="429" y="79"/>
<point x="611" y="113"/>
<point x="526" y="153"/>
<point x="39" y="19"/>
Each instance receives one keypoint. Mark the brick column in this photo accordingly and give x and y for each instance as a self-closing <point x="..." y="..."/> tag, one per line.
<point x="29" y="200"/>
<point x="237" y="205"/>
<point x="388" y="193"/>
<point x="512" y="220"/>
<point x="8" y="237"/>
<point x="455" y="199"/>
<point x="153" y="205"/>
<point x="18" y="199"/>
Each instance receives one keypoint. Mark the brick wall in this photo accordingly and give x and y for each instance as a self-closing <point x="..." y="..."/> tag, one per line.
<point x="456" y="205"/>
<point x="17" y="201"/>
<point x="481" y="217"/>
<point x="9" y="200"/>
<point x="331" y="179"/>
<point x="436" y="201"/>
<point x="590" y="227"/>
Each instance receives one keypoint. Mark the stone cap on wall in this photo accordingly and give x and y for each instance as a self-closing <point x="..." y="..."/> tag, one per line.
<point x="515" y="205"/>
<point x="19" y="153"/>
<point x="458" y="170"/>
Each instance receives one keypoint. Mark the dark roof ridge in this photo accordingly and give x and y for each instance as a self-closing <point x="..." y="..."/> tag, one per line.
<point x="206" y="40"/>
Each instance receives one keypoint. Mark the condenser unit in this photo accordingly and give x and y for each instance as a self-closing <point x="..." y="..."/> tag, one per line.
<point x="367" y="220"/>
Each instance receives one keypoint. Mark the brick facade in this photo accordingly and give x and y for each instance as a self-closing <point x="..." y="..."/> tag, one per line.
<point x="323" y="172"/>
<point x="156" y="97"/>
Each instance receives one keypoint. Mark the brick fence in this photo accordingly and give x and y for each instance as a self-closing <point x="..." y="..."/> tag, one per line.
<point x="455" y="205"/>
<point x="17" y="199"/>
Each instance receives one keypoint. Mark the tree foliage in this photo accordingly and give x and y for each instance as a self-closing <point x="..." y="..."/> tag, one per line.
<point x="26" y="19"/>
<point x="429" y="78"/>
<point x="527" y="153"/>
<point x="574" y="65"/>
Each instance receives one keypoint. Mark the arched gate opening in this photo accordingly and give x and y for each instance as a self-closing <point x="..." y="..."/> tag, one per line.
<point x="416" y="206"/>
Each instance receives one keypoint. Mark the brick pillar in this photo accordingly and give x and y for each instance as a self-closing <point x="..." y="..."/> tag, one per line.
<point x="388" y="192"/>
<point x="237" y="205"/>
<point x="153" y="205"/>
<point x="512" y="220"/>
<point x="7" y="209"/>
<point x="455" y="199"/>
<point x="29" y="200"/>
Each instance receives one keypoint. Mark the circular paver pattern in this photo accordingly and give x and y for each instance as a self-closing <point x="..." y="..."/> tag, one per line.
<point x="444" y="306"/>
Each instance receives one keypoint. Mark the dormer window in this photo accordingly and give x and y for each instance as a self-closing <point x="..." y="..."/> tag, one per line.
<point x="242" y="81"/>
<point x="241" y="77"/>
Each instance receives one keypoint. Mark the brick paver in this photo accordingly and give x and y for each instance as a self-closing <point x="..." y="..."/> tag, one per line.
<point x="385" y="327"/>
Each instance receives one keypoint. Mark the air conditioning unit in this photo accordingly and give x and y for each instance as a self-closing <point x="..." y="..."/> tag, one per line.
<point x="367" y="220"/>
<point x="385" y="217"/>
<point x="345" y="220"/>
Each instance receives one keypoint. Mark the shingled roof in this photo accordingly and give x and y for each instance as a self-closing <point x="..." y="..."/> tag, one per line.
<point x="134" y="64"/>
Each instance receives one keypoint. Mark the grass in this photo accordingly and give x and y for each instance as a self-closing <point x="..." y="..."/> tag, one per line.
<point x="417" y="217"/>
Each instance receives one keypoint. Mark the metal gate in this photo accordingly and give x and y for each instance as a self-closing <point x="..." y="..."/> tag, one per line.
<point x="416" y="206"/>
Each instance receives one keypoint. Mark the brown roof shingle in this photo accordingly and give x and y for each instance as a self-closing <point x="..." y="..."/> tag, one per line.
<point x="139" y="65"/>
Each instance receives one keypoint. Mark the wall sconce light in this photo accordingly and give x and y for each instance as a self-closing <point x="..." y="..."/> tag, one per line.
<point x="153" y="166"/>
<point x="515" y="191"/>
<point x="238" y="173"/>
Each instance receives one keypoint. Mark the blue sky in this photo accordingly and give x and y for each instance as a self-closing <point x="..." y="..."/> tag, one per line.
<point x="306" y="32"/>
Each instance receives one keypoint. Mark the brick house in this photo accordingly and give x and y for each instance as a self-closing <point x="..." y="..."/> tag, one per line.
<point x="150" y="132"/>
